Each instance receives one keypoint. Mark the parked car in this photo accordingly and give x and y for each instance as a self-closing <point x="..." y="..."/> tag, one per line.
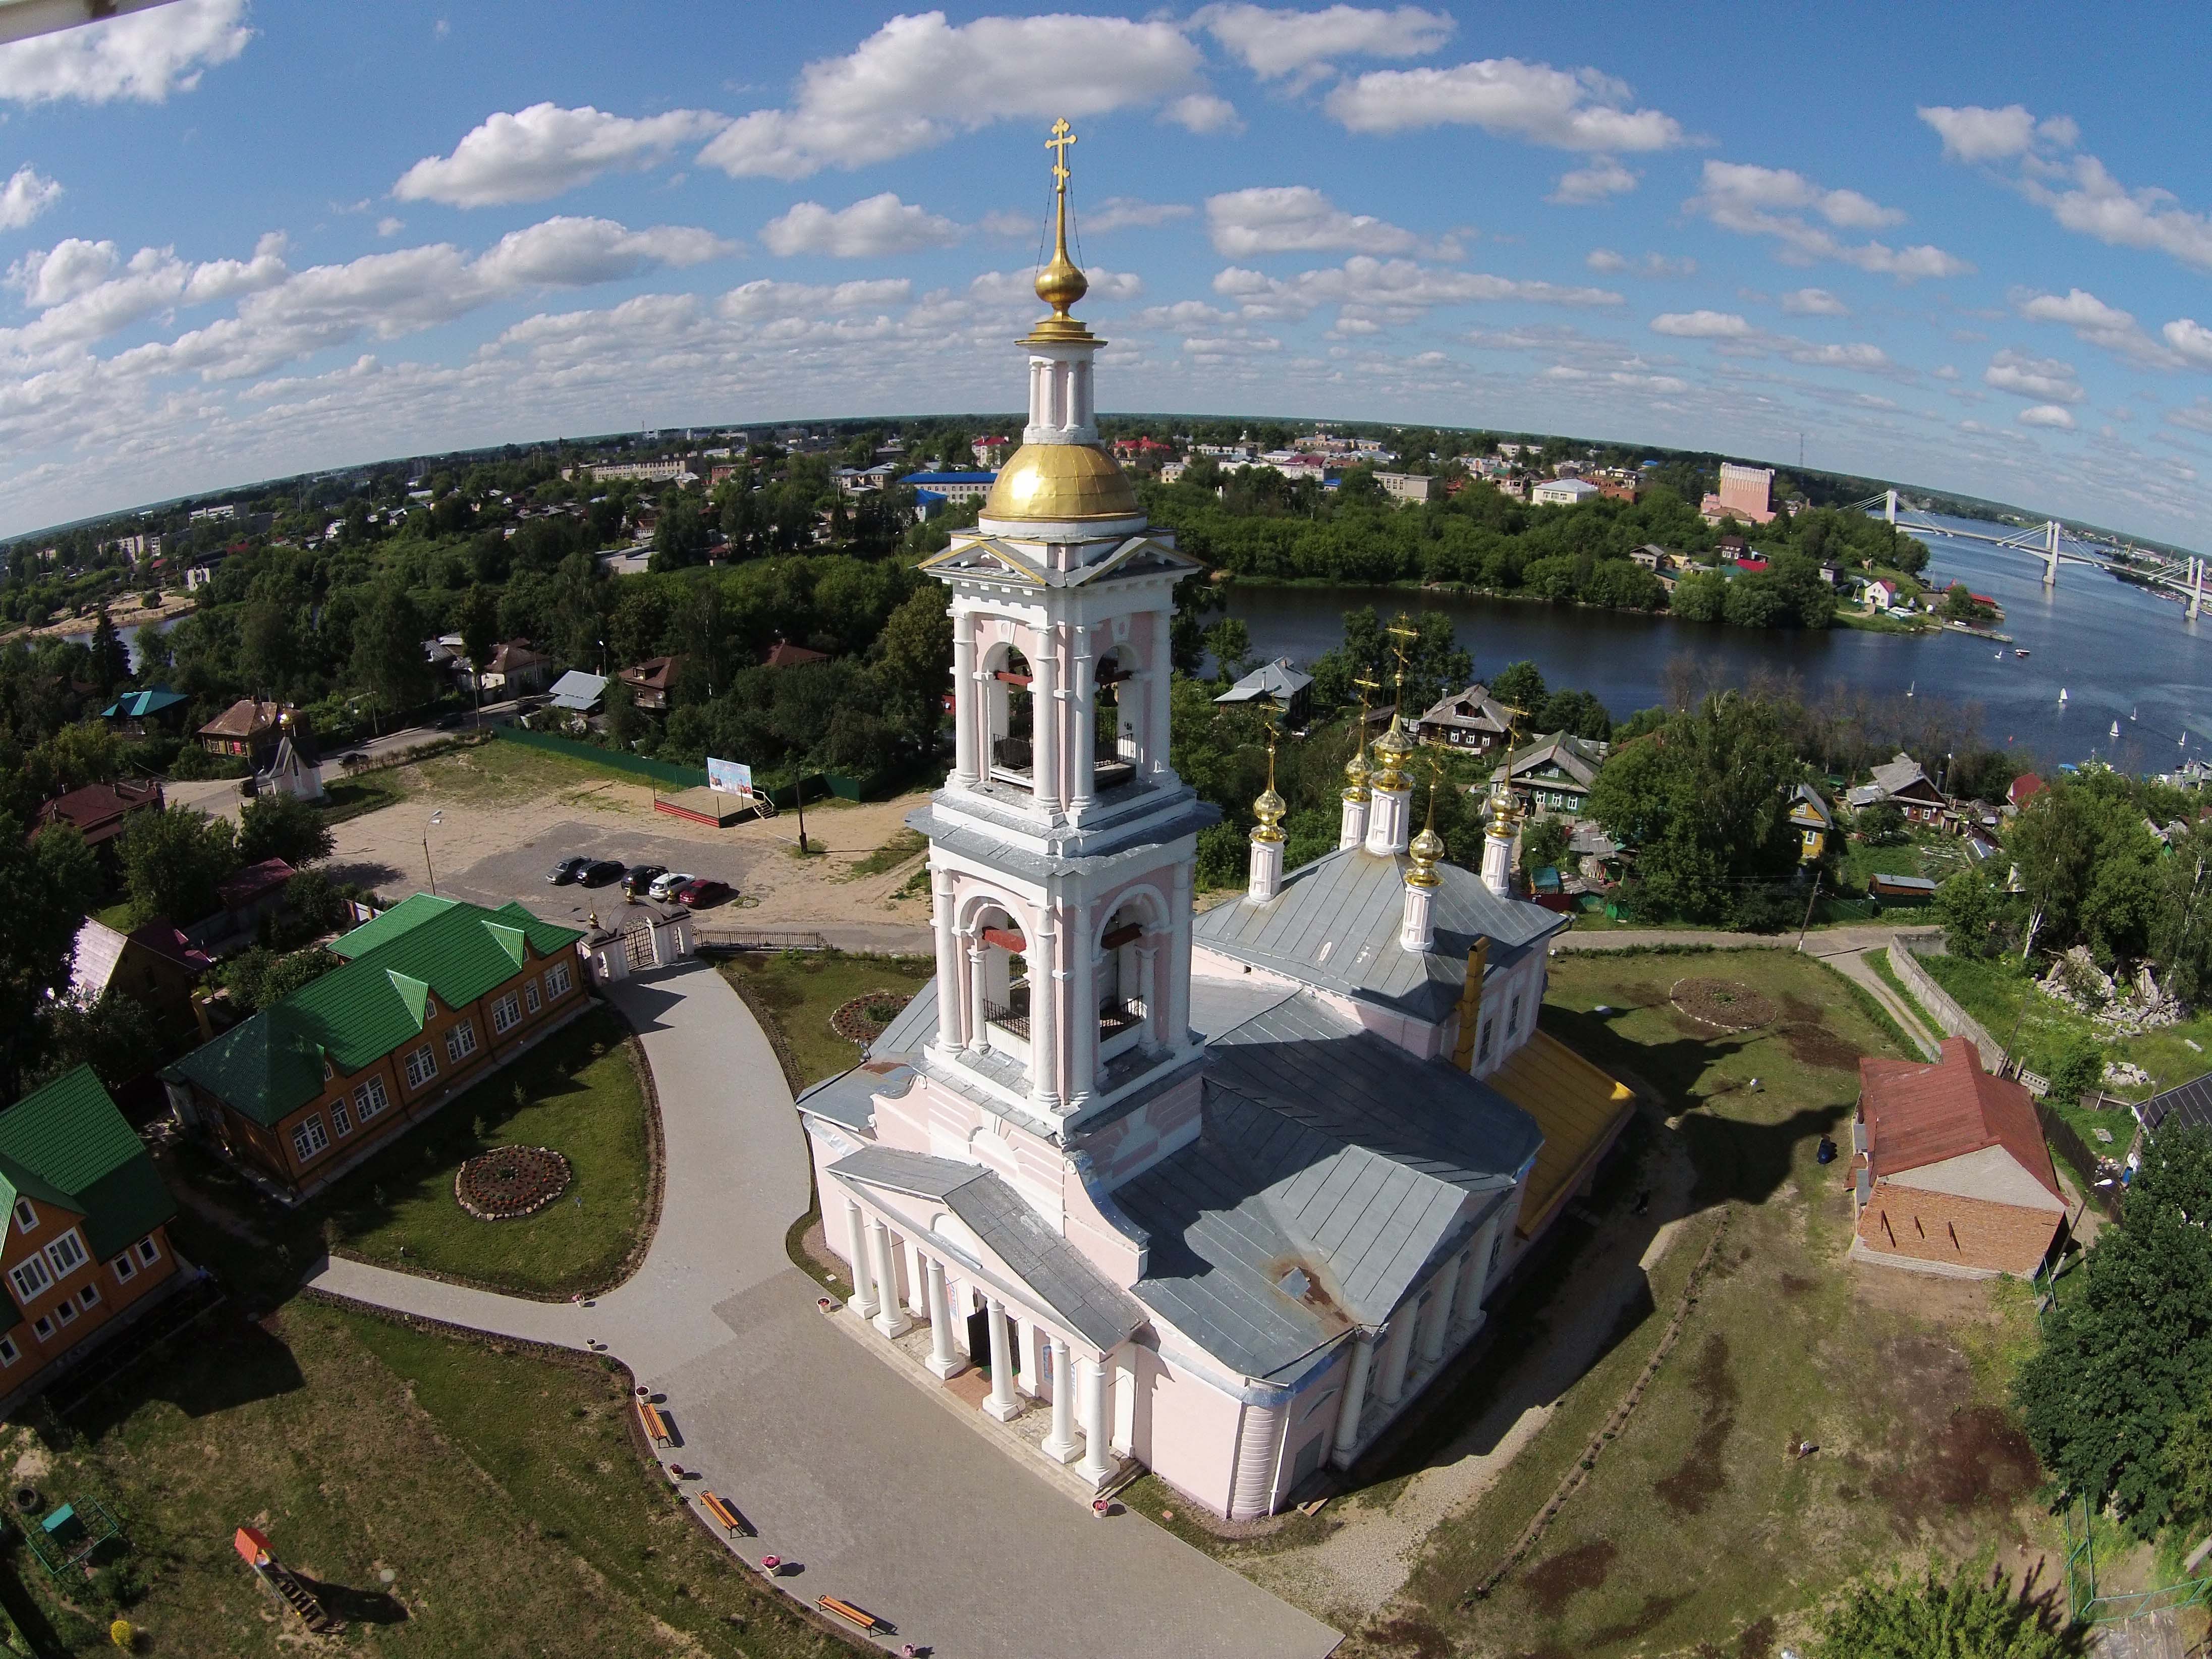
<point x="664" y="886"/>
<point x="638" y="879"/>
<point x="701" y="894"/>
<point x="600" y="872"/>
<point x="567" y="871"/>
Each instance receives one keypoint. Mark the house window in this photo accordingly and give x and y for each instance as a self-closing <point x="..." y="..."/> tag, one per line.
<point x="341" y="1120"/>
<point x="421" y="1066"/>
<point x="506" y="1014"/>
<point x="309" y="1137"/>
<point x="148" y="1252"/>
<point x="370" y="1099"/>
<point x="10" y="1353"/>
<point x="26" y="1216"/>
<point x="88" y="1298"/>
<point x="30" y="1277"/>
<point x="1513" y="1015"/>
<point x="461" y="1041"/>
<point x="44" y="1327"/>
<point x="65" y="1310"/>
<point x="530" y="995"/>
<point x="67" y="1254"/>
<point x="124" y="1272"/>
<point x="557" y="979"/>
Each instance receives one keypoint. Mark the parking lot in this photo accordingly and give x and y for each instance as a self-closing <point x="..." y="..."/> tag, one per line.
<point x="519" y="872"/>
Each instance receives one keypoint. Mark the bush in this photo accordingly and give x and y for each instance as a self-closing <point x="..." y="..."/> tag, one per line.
<point x="2078" y="1067"/>
<point x="1967" y="1618"/>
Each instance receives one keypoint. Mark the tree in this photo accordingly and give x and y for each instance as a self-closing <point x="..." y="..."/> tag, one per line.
<point x="1521" y="685"/>
<point x="1543" y="843"/>
<point x="477" y="617"/>
<point x="387" y="661"/>
<point x="1882" y="823"/>
<point x="1965" y="1617"/>
<point x="2078" y="1067"/>
<point x="1700" y="596"/>
<point x="280" y="826"/>
<point x="623" y="723"/>
<point x="914" y="657"/>
<point x="257" y="976"/>
<point x="1230" y="643"/>
<point x="46" y="885"/>
<point x="173" y="861"/>
<point x="111" y="663"/>
<point x="115" y="1035"/>
<point x="1968" y="903"/>
<point x="1578" y="712"/>
<point x="2131" y="1351"/>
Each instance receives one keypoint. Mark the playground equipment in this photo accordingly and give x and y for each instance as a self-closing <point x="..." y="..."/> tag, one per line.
<point x="69" y="1536"/>
<point x="253" y="1547"/>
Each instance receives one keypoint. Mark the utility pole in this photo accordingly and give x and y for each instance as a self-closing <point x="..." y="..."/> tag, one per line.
<point x="436" y="819"/>
<point x="799" y="799"/>
<point x="1803" y="925"/>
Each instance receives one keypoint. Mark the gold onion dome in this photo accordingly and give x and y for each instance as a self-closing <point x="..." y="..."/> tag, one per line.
<point x="1061" y="481"/>
<point x="1269" y="809"/>
<point x="1393" y="749"/>
<point x="1427" y="852"/>
<point x="1356" y="775"/>
<point x="1502" y="814"/>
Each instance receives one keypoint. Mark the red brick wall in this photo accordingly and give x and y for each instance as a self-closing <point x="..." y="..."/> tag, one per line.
<point x="1967" y="1232"/>
<point x="115" y="1294"/>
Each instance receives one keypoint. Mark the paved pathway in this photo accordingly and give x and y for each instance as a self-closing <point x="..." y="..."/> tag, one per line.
<point x="1822" y="942"/>
<point x="1855" y="967"/>
<point x="844" y="1466"/>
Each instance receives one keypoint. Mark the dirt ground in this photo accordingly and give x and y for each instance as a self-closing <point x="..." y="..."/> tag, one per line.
<point x="503" y="821"/>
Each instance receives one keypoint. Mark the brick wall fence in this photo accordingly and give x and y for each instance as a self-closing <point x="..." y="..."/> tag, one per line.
<point x="1955" y="1020"/>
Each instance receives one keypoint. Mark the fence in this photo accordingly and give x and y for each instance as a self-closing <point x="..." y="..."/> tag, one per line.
<point x="2066" y="1141"/>
<point x="735" y="940"/>
<point x="1955" y="1020"/>
<point x="674" y="776"/>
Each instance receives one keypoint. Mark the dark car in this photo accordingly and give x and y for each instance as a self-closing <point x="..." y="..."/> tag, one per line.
<point x="701" y="894"/>
<point x="567" y="871"/>
<point x="638" y="879"/>
<point x="600" y="872"/>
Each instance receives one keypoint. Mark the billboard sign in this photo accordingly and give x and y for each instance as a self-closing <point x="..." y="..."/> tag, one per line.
<point x="729" y="777"/>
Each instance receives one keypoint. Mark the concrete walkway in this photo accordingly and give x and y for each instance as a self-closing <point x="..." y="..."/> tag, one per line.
<point x="1855" y="967"/>
<point x="1819" y="942"/>
<point x="844" y="1467"/>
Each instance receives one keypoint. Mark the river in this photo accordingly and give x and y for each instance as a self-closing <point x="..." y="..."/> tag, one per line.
<point x="2119" y="654"/>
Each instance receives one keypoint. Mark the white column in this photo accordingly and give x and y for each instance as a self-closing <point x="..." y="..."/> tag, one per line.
<point x="1082" y="1011"/>
<point x="948" y="963"/>
<point x="1387" y="819"/>
<point x="1417" y="931"/>
<point x="1044" y="1025"/>
<point x="1265" y="879"/>
<point x="1351" y="828"/>
<point x="1059" y="1445"/>
<point x="965" y="696"/>
<point x="1438" y="1323"/>
<point x="1177" y="992"/>
<point x="1082" y="724"/>
<point x="1044" y="719"/>
<point x="1397" y="1349"/>
<point x="890" y="1318"/>
<point x="943" y="1358"/>
<point x="1097" y="1414"/>
<point x="1002" y="1404"/>
<point x="856" y="1249"/>
<point x="979" y="1027"/>
<point x="1466" y="1296"/>
<point x="1157" y="697"/>
<point x="1353" y="1401"/>
<point x="917" y="1287"/>
<point x="1148" y="977"/>
<point x="1498" y="862"/>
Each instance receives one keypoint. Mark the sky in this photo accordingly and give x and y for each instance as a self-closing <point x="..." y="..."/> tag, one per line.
<point x="1967" y="248"/>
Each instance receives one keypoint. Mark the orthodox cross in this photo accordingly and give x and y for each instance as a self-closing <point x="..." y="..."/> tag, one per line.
<point x="1401" y="631"/>
<point x="1062" y="136"/>
<point x="1360" y="737"/>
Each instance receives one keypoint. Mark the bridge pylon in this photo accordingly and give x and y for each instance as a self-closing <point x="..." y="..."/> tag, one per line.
<point x="2050" y="553"/>
<point x="1889" y="506"/>
<point x="2196" y="586"/>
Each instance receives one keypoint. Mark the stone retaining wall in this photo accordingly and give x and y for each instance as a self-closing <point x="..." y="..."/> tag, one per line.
<point x="1955" y="1020"/>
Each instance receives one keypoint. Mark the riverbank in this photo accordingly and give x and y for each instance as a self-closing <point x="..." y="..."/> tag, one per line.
<point x="126" y="613"/>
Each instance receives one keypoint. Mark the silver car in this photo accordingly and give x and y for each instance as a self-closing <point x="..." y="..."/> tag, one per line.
<point x="664" y="886"/>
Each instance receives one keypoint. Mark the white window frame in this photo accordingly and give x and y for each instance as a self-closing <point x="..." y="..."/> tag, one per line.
<point x="123" y="1269"/>
<point x="31" y="1279"/>
<point x="370" y="1099"/>
<point x="557" y="980"/>
<point x="506" y="1014"/>
<point x="341" y="1119"/>
<point x="421" y="1066"/>
<point x="460" y="1041"/>
<point x="310" y="1140"/>
<point x="27" y="1215"/>
<point x="530" y="995"/>
<point x="148" y="1251"/>
<point x="67" y="1254"/>
<point x="44" y="1327"/>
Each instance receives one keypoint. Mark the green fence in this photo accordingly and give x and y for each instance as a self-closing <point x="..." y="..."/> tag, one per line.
<point x="676" y="777"/>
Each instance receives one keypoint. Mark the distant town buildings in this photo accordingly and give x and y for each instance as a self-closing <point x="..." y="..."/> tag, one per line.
<point x="1563" y="492"/>
<point x="1410" y="486"/>
<point x="1744" y="495"/>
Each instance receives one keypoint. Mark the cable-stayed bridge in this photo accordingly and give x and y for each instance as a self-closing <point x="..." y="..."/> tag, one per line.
<point x="2054" y="544"/>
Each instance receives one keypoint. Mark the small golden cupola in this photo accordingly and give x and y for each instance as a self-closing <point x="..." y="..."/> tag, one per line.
<point x="1428" y="848"/>
<point x="1061" y="474"/>
<point x="1393" y="750"/>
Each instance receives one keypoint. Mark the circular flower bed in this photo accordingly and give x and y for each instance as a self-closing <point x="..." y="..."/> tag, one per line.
<point x="863" y="1019"/>
<point x="509" y="1181"/>
<point x="1723" y="1004"/>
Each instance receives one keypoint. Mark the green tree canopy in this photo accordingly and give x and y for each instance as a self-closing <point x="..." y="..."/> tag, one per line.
<point x="1964" y="1617"/>
<point x="172" y="862"/>
<point x="46" y="886"/>
<point x="278" y="826"/>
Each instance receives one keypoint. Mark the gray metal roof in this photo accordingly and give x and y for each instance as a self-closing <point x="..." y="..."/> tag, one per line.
<point x="910" y="1028"/>
<point x="577" y="689"/>
<point x="1043" y="1261"/>
<point x="849" y="1097"/>
<point x="1277" y="680"/>
<point x="1579" y="758"/>
<point x="1335" y="925"/>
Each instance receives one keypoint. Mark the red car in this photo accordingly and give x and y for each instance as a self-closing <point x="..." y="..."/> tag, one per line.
<point x="701" y="894"/>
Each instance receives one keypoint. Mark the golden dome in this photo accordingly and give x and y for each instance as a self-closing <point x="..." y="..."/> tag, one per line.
<point x="1356" y="775"/>
<point x="1393" y="748"/>
<point x="1061" y="283"/>
<point x="1269" y="809"/>
<point x="1502" y="814"/>
<point x="1061" y="481"/>
<point x="1427" y="852"/>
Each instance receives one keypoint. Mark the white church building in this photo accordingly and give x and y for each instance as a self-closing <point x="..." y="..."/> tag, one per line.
<point x="1222" y="1192"/>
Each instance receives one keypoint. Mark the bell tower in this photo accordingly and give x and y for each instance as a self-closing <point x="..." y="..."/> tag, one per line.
<point x="1062" y="845"/>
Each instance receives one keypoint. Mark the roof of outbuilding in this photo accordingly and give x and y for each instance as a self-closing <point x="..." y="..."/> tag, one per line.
<point x="272" y="1064"/>
<point x="1473" y="707"/>
<point x="1277" y="680"/>
<point x="578" y="691"/>
<point x="1335" y="926"/>
<point x="1578" y="758"/>
<point x="136" y="705"/>
<point x="246" y="717"/>
<point x="1918" y="1113"/>
<point x="68" y="1145"/>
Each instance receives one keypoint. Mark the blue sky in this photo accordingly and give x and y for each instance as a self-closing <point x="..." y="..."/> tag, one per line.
<point x="1968" y="246"/>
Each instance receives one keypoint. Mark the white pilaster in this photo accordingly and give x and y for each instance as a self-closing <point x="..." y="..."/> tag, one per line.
<point x="1387" y="817"/>
<point x="1178" y="992"/>
<point x="979" y="1027"/>
<point x="1097" y="1384"/>
<point x="1002" y="1404"/>
<point x="1352" y="828"/>
<point x="1437" y="1324"/>
<point x="1417" y="931"/>
<point x="1059" y="1445"/>
<point x="964" y="771"/>
<point x="1397" y="1350"/>
<point x="1354" y="1399"/>
<point x="1082" y="1012"/>
<point x="863" y="1303"/>
<point x="1044" y="1022"/>
<point x="1158" y="697"/>
<point x="890" y="1318"/>
<point x="1498" y="862"/>
<point x="948" y="963"/>
<point x="1266" y="879"/>
<point x="1082" y="724"/>
<point x="1044" y="720"/>
<point x="943" y="1358"/>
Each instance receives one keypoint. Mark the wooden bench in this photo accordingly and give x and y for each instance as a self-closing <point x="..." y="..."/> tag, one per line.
<point x="725" y="1512"/>
<point x="649" y="1417"/>
<point x="844" y="1609"/>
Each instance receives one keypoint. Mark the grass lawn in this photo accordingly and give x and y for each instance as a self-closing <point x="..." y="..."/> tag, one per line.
<point x="493" y="773"/>
<point x="802" y="989"/>
<point x="584" y="1104"/>
<point x="500" y="1490"/>
<point x="1695" y="1526"/>
<point x="351" y="795"/>
<point x="903" y="846"/>
<point x="116" y="916"/>
<point x="1997" y="994"/>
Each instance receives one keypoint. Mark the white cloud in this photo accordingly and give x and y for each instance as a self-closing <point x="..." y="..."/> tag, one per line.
<point x="2099" y="325"/>
<point x="1019" y="286"/>
<point x="919" y="80"/>
<point x="2049" y="415"/>
<point x="1126" y="212"/>
<point x="545" y="149"/>
<point x="25" y="196"/>
<point x="1273" y="44"/>
<point x="571" y="252"/>
<point x="1733" y="335"/>
<point x="878" y="225"/>
<point x="1651" y="264"/>
<point x="1756" y="201"/>
<point x="764" y="300"/>
<point x="389" y="226"/>
<point x="1702" y="325"/>
<point x="1974" y="134"/>
<point x="1395" y="290"/>
<point x="1202" y="112"/>
<point x="1814" y="302"/>
<point x="1183" y="314"/>
<point x="2197" y="416"/>
<point x="2189" y="339"/>
<point x="2049" y="379"/>
<point x="1566" y="109"/>
<point x="1297" y="219"/>
<point x="71" y="267"/>
<point x="144" y="56"/>
<point x="1583" y="187"/>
